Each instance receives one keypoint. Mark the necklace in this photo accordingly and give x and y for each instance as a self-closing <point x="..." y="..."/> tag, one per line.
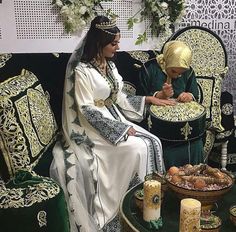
<point x="102" y="66"/>
<point x="109" y="77"/>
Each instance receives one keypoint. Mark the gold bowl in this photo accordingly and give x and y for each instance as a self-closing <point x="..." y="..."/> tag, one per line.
<point x="207" y="197"/>
<point x="210" y="223"/>
<point x="232" y="212"/>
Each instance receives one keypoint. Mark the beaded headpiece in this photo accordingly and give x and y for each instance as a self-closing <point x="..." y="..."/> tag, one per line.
<point x="106" y="25"/>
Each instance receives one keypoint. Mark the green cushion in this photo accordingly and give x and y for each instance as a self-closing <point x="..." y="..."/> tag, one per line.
<point x="27" y="123"/>
<point x="32" y="203"/>
<point x="210" y="92"/>
<point x="227" y="117"/>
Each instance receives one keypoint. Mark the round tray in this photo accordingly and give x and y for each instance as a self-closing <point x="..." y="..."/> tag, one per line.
<point x="185" y="121"/>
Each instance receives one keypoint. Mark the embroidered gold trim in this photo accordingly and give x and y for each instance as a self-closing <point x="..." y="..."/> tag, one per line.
<point x="4" y="57"/>
<point x="208" y="53"/>
<point x="100" y="103"/>
<point x="143" y="57"/>
<point x="179" y="112"/>
<point x="26" y="197"/>
<point x="42" y="218"/>
<point x="24" y="112"/>
<point x="186" y="130"/>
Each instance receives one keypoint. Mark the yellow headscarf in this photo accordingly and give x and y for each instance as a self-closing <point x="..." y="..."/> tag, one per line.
<point x="175" y="54"/>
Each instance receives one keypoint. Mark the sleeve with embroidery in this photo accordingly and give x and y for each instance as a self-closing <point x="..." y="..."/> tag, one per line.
<point x="110" y="129"/>
<point x="132" y="106"/>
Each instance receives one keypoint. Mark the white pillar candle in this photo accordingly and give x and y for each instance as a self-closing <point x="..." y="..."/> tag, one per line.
<point x="190" y="211"/>
<point x="151" y="200"/>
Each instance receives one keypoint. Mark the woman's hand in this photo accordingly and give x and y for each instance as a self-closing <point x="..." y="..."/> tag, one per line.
<point x="131" y="131"/>
<point x="185" y="97"/>
<point x="167" y="90"/>
<point x="160" y="102"/>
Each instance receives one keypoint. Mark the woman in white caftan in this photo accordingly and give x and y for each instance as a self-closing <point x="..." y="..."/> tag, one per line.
<point x="102" y="150"/>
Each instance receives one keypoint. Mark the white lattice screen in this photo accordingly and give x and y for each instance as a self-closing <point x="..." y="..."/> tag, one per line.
<point x="35" y="26"/>
<point x="37" y="20"/>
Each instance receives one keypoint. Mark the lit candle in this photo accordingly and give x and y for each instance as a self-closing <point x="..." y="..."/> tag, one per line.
<point x="151" y="200"/>
<point x="190" y="211"/>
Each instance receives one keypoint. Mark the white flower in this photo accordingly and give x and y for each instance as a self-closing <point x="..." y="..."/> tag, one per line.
<point x="82" y="10"/>
<point x="161" y="14"/>
<point x="76" y="13"/>
<point x="164" y="5"/>
<point x="65" y="10"/>
<point x="59" y="3"/>
<point x="162" y="21"/>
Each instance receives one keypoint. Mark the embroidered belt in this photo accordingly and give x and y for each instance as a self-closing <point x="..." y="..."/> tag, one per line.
<point x="100" y="103"/>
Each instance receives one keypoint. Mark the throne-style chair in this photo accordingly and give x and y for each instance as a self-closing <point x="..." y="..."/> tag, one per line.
<point x="210" y="66"/>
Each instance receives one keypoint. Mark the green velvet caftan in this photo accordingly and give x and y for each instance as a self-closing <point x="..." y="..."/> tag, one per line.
<point x="151" y="80"/>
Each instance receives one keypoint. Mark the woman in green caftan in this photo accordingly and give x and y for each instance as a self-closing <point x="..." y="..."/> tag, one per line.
<point x="171" y="76"/>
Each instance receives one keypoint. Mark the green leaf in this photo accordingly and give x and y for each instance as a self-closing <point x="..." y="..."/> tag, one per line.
<point x="130" y="23"/>
<point x="141" y="38"/>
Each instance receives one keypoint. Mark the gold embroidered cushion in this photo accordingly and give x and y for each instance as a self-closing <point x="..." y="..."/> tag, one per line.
<point x="210" y="92"/>
<point x="27" y="123"/>
<point x="35" y="203"/>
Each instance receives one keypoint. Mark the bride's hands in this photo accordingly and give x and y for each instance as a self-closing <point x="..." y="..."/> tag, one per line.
<point x="131" y="131"/>
<point x="160" y="102"/>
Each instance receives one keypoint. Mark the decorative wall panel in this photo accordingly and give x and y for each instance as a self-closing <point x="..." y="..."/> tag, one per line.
<point x="220" y="17"/>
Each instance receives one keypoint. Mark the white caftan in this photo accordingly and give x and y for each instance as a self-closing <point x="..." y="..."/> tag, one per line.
<point x="114" y="158"/>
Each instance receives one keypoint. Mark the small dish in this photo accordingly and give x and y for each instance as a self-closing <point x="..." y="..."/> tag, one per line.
<point x="210" y="223"/>
<point x="232" y="212"/>
<point x="138" y="196"/>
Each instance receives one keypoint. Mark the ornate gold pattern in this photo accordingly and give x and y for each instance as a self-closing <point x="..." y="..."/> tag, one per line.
<point x="152" y="194"/>
<point x="180" y="112"/>
<point x="27" y="123"/>
<point x="42" y="218"/>
<point x="227" y="109"/>
<point x="210" y="139"/>
<point x="106" y="25"/>
<point x="206" y="85"/>
<point x="25" y="118"/>
<point x="215" y="109"/>
<point x="186" y="130"/>
<point x="129" y="88"/>
<point x="211" y="90"/>
<point x="41" y="115"/>
<point x="224" y="134"/>
<point x="190" y="211"/>
<point x="4" y="58"/>
<point x="26" y="197"/>
<point x="207" y="49"/>
<point x="100" y="103"/>
<point x="141" y="56"/>
<point x="189" y="221"/>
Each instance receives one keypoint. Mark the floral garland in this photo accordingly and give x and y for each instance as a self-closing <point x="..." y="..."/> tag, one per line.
<point x="163" y="15"/>
<point x="77" y="13"/>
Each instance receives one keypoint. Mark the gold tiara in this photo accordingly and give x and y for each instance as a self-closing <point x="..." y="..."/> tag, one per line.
<point x="106" y="25"/>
